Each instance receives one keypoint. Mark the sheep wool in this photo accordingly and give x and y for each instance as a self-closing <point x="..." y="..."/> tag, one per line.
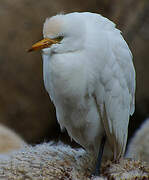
<point x="138" y="147"/>
<point x="49" y="161"/>
<point x="9" y="140"/>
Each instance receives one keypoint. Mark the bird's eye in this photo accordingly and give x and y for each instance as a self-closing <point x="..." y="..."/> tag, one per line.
<point x="59" y="38"/>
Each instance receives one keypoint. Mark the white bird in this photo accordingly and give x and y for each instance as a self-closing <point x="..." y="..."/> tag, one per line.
<point x="90" y="77"/>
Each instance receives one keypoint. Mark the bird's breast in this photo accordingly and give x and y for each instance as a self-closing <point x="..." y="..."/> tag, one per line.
<point x="64" y="77"/>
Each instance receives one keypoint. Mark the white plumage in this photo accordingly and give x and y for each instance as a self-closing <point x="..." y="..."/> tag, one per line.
<point x="90" y="78"/>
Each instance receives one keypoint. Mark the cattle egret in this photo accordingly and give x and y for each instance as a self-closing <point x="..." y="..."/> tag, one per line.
<point x="90" y="77"/>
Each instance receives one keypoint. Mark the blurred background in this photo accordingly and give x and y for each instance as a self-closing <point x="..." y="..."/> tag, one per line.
<point x="24" y="104"/>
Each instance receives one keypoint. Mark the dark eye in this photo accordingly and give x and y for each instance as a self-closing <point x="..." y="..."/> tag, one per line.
<point x="59" y="38"/>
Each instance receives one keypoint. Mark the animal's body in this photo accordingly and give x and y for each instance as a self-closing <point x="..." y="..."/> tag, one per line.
<point x="90" y="78"/>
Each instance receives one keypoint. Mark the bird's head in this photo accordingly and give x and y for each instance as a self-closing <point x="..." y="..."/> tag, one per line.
<point x="62" y="33"/>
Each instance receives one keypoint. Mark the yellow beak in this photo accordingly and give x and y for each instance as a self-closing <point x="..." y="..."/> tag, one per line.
<point x="43" y="44"/>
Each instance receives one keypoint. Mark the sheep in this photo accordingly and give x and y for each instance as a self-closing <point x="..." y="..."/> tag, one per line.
<point x="50" y="161"/>
<point x="138" y="147"/>
<point x="9" y="140"/>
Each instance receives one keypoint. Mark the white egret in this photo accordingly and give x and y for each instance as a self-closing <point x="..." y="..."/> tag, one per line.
<point x="90" y="77"/>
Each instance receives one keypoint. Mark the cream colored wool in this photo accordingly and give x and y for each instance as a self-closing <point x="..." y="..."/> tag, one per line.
<point x="139" y="145"/>
<point x="59" y="162"/>
<point x="9" y="140"/>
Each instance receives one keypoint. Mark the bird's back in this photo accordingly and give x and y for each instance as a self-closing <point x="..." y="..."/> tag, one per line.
<point x="106" y="47"/>
<point x="113" y="69"/>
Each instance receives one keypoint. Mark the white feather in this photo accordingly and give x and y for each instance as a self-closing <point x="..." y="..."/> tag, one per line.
<point x="91" y="79"/>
